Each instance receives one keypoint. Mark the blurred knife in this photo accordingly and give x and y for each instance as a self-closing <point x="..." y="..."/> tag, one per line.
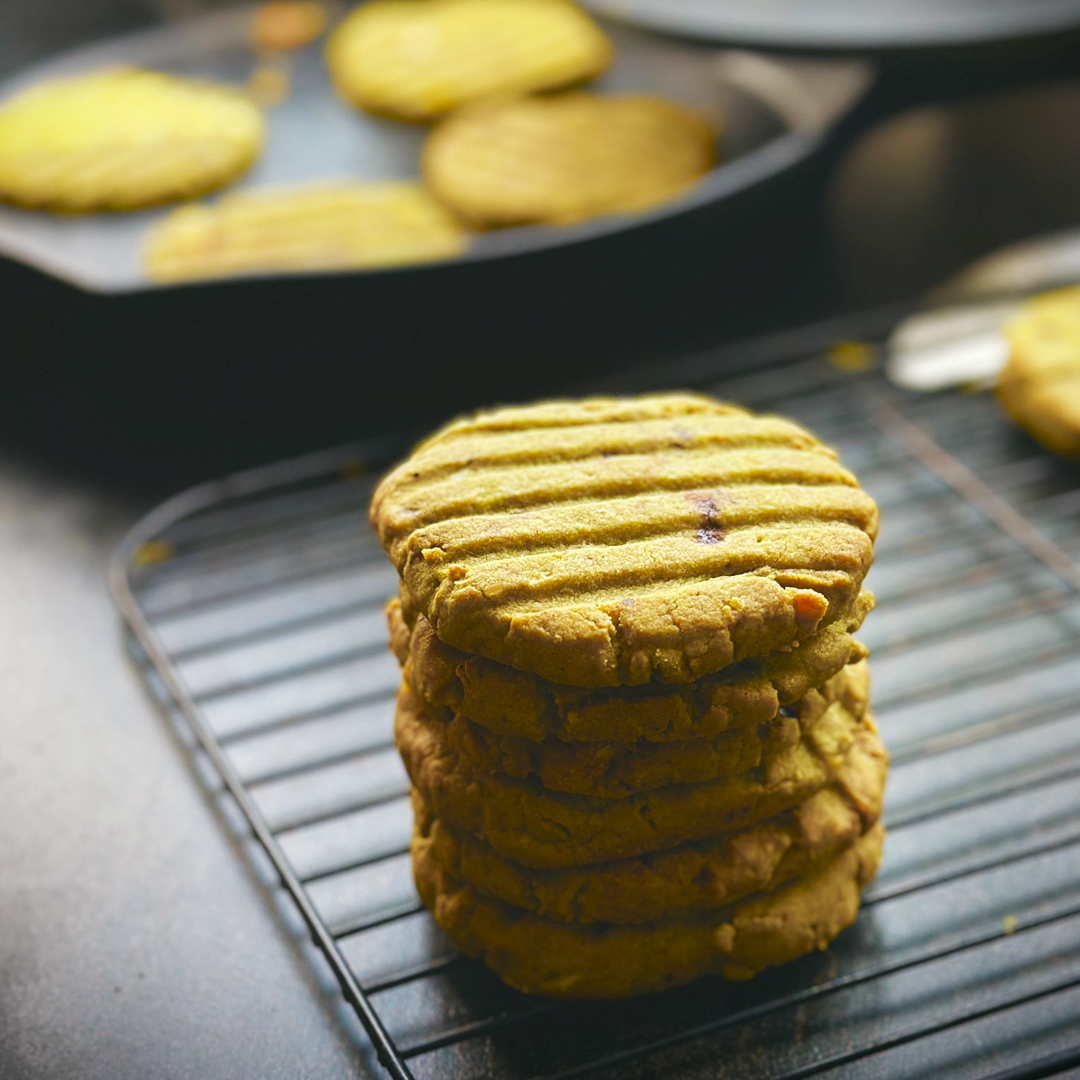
<point x="959" y="340"/>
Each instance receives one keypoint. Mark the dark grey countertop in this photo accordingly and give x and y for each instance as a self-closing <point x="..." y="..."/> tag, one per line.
<point x="134" y="941"/>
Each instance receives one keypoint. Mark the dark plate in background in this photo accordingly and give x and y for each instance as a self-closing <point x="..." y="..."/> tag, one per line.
<point x="847" y="24"/>
<point x="770" y="114"/>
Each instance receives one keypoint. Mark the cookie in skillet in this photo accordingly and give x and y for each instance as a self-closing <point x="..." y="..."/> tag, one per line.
<point x="1040" y="384"/>
<point x="540" y="956"/>
<point x="419" y="59"/>
<point x="557" y="160"/>
<point x="618" y="541"/>
<point x="344" y="226"/>
<point x="123" y="138"/>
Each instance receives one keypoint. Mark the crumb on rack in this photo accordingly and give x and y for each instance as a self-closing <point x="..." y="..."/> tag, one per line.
<point x="151" y="553"/>
<point x="852" y="356"/>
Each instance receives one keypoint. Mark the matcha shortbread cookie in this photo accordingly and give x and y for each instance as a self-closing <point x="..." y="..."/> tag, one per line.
<point x="618" y="770"/>
<point x="511" y="702"/>
<point x="418" y="59"/>
<point x="344" y="226"/>
<point x="123" y="138"/>
<point x="557" y="160"/>
<point x="541" y="956"/>
<point x="522" y="821"/>
<point x="691" y="879"/>
<point x="609" y="542"/>
<point x="1040" y="384"/>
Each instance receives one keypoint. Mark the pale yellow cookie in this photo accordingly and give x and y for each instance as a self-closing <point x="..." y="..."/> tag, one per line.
<point x="1040" y="384"/>
<point x="561" y="159"/>
<point x="418" y="59"/>
<point x="343" y="226"/>
<point x="123" y="138"/>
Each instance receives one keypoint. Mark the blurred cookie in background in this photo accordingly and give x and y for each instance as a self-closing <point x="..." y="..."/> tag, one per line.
<point x="556" y="160"/>
<point x="419" y="59"/>
<point x="324" y="227"/>
<point x="1040" y="383"/>
<point x="122" y="139"/>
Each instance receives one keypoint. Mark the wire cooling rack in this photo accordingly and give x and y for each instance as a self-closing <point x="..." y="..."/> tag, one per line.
<point x="254" y="606"/>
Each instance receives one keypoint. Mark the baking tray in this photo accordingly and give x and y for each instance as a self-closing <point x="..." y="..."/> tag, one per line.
<point x="253" y="607"/>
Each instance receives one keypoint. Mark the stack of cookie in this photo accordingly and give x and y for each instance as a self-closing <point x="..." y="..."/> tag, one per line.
<point x="633" y="711"/>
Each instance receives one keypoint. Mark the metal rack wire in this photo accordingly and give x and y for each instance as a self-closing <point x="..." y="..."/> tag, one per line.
<point x="254" y="609"/>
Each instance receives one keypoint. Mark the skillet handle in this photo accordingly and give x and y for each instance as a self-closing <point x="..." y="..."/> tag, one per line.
<point x="912" y="80"/>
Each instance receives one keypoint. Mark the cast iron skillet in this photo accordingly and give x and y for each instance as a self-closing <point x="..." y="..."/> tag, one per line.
<point x="777" y="112"/>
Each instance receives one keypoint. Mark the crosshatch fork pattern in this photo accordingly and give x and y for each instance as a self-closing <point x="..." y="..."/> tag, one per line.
<point x="254" y="607"/>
